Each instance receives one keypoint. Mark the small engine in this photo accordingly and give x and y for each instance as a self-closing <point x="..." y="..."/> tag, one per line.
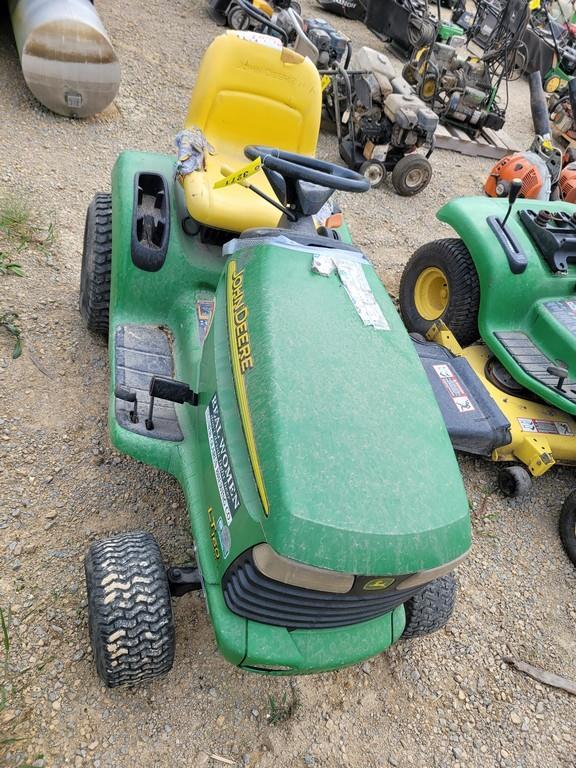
<point x="567" y="183"/>
<point x="385" y="112"/>
<point x="529" y="167"/>
<point x="331" y="44"/>
<point x="538" y="169"/>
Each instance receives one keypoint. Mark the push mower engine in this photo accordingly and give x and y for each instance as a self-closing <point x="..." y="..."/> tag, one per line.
<point x="386" y="123"/>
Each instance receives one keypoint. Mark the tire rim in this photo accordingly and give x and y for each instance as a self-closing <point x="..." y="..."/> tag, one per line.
<point x="552" y="84"/>
<point x="374" y="174"/>
<point x="415" y="178"/>
<point x="431" y="293"/>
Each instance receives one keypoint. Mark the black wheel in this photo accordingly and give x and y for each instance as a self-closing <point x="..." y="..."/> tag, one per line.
<point x="296" y="7"/>
<point x="431" y="608"/>
<point x="129" y="609"/>
<point x="514" y="481"/>
<point x="411" y="175"/>
<point x="440" y="282"/>
<point x="97" y="264"/>
<point x="237" y="18"/>
<point x="567" y="526"/>
<point x="374" y="171"/>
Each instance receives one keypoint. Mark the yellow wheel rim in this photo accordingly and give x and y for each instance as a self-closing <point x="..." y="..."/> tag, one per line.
<point x="552" y="84"/>
<point x="431" y="293"/>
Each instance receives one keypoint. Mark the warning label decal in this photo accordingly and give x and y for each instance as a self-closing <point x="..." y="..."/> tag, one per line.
<point x="545" y="427"/>
<point x="221" y="460"/>
<point x="454" y="388"/>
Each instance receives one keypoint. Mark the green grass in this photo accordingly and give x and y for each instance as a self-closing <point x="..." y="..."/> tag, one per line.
<point x="19" y="231"/>
<point x="9" y="321"/>
<point x="280" y="710"/>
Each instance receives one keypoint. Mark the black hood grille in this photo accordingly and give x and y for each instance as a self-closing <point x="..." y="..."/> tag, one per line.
<point x="250" y="594"/>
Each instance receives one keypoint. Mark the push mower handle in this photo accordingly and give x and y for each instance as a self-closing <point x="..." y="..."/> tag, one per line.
<point x="293" y="166"/>
<point x="263" y="19"/>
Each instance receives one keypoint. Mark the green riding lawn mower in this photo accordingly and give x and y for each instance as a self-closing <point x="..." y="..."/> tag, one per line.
<point x="255" y="356"/>
<point x="493" y="318"/>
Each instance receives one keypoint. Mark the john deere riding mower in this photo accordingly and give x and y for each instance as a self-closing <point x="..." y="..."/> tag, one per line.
<point x="255" y="356"/>
<point x="493" y="314"/>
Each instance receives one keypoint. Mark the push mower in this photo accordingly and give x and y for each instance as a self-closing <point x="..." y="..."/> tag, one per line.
<point x="255" y="356"/>
<point x="380" y="123"/>
<point x="493" y="316"/>
<point x="314" y="38"/>
<point x="237" y="16"/>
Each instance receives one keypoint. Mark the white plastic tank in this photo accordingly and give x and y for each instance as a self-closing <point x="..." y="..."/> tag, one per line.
<point x="67" y="58"/>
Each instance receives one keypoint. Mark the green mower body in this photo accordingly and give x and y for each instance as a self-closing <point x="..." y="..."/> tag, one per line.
<point x="527" y="274"/>
<point x="494" y="318"/>
<point x="321" y="485"/>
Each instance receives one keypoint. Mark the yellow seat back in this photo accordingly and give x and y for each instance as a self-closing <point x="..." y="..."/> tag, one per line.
<point x="249" y="90"/>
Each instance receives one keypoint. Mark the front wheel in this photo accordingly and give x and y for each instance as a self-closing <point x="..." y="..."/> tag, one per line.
<point x="440" y="282"/>
<point x="430" y="609"/>
<point x="514" y="481"/>
<point x="567" y="526"/>
<point x="374" y="171"/>
<point x="411" y="174"/>
<point x="129" y="609"/>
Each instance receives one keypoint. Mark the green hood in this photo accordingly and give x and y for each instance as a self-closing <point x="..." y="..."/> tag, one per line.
<point x="350" y="452"/>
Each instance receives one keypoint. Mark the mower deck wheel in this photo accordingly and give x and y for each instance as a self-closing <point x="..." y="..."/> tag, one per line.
<point x="411" y="174"/>
<point x="97" y="264"/>
<point x="430" y="609"/>
<point x="440" y="282"/>
<point x="374" y="171"/>
<point x="129" y="609"/>
<point x="567" y="526"/>
<point x="514" y="481"/>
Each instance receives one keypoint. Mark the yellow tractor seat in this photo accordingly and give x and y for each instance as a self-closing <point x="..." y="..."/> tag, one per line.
<point x="249" y="90"/>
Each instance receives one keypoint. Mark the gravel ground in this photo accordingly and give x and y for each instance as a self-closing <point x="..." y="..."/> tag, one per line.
<point x="448" y="700"/>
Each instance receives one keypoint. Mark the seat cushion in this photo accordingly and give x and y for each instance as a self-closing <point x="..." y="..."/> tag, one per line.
<point x="234" y="208"/>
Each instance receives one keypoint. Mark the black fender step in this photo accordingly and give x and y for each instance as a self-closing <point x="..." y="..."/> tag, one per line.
<point x="143" y="351"/>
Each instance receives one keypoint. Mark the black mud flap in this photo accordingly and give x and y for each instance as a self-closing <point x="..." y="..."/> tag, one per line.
<point x="474" y="421"/>
<point x="143" y="351"/>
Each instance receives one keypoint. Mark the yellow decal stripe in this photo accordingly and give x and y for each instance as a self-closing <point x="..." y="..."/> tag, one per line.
<point x="241" y="393"/>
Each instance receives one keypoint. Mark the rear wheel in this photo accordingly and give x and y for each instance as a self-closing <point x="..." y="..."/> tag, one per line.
<point x="411" y="174"/>
<point x="431" y="608"/>
<point x="129" y="609"/>
<point x="567" y="526"/>
<point x="440" y="282"/>
<point x="514" y="481"/>
<point x="97" y="264"/>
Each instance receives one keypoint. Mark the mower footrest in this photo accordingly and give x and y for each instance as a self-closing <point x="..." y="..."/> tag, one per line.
<point x="143" y="351"/>
<point x="534" y="362"/>
<point x="474" y="421"/>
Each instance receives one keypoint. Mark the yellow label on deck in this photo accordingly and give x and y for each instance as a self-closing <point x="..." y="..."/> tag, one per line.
<point x="238" y="177"/>
<point x="325" y="82"/>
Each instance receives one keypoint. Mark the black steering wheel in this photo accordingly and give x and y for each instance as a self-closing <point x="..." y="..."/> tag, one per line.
<point x="293" y="166"/>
